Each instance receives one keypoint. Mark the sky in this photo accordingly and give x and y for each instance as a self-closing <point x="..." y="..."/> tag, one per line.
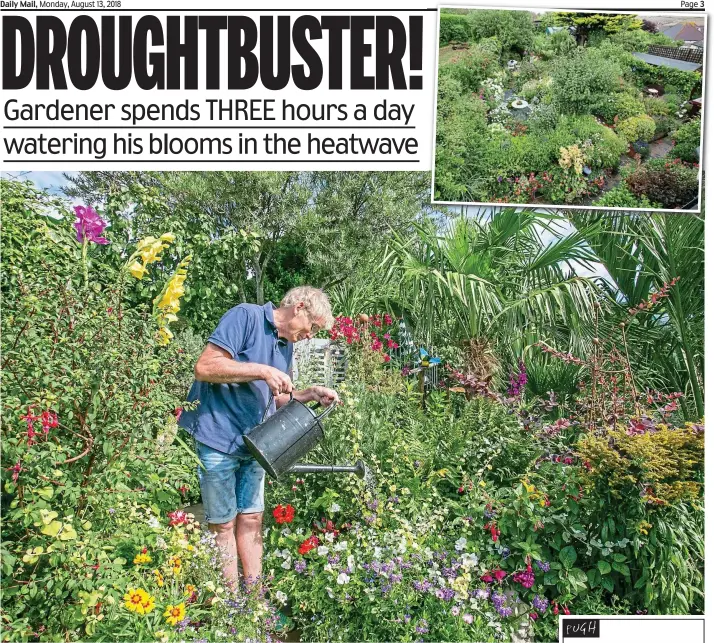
<point x="54" y="181"/>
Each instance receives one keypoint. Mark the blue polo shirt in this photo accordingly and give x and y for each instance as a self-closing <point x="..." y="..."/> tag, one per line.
<point x="227" y="411"/>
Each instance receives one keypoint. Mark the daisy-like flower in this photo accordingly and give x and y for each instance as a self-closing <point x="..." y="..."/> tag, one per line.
<point x="159" y="578"/>
<point x="139" y="601"/>
<point x="175" y="565"/>
<point x="142" y="558"/>
<point x="175" y="613"/>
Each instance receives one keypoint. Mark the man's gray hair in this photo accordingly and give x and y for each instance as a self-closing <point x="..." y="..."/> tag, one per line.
<point x="317" y="305"/>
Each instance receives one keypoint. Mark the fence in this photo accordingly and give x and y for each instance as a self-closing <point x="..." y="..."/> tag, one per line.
<point x="325" y="362"/>
<point x="676" y="53"/>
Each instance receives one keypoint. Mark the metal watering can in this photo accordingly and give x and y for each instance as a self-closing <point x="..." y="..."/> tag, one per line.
<point x="287" y="435"/>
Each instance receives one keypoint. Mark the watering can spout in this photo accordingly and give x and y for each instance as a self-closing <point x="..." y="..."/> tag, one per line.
<point x="357" y="468"/>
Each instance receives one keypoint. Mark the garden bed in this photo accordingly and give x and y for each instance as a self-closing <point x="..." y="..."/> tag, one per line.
<point x="586" y="107"/>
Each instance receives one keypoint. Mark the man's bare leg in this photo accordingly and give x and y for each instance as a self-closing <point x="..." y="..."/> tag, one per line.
<point x="226" y="541"/>
<point x="249" y="544"/>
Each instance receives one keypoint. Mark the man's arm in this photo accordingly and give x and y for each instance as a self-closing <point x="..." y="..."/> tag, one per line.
<point x="215" y="365"/>
<point x="325" y="396"/>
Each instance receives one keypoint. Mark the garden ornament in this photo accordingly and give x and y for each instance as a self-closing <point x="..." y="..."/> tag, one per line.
<point x="287" y="435"/>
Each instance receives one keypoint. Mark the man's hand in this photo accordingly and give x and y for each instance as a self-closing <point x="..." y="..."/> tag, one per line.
<point x="325" y="396"/>
<point x="277" y="381"/>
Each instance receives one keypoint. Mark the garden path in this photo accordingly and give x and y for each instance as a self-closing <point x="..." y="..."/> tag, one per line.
<point x="658" y="149"/>
<point x="661" y="148"/>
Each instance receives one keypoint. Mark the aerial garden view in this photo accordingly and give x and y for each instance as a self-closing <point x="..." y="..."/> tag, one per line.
<point x="567" y="109"/>
<point x="525" y="389"/>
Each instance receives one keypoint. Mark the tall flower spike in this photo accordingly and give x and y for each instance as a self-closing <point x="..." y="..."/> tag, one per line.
<point x="89" y="225"/>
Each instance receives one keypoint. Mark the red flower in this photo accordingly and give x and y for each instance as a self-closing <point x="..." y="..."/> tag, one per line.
<point x="16" y="468"/>
<point x="499" y="574"/>
<point x="386" y="358"/>
<point x="283" y="514"/>
<point x="308" y="545"/>
<point x="487" y="578"/>
<point x="177" y="517"/>
<point x="566" y="611"/>
<point x="49" y="421"/>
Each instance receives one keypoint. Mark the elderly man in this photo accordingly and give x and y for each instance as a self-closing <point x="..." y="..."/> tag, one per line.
<point x="247" y="358"/>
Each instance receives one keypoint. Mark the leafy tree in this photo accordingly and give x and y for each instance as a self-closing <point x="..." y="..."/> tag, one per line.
<point x="514" y="29"/>
<point x="586" y="23"/>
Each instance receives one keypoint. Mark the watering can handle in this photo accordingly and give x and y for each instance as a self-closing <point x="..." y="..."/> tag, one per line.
<point x="327" y="411"/>
<point x="270" y="402"/>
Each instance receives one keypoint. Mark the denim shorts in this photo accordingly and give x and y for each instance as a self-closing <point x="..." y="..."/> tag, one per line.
<point x="230" y="484"/>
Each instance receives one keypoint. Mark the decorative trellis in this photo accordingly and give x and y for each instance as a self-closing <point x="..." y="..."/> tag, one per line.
<point x="677" y="53"/>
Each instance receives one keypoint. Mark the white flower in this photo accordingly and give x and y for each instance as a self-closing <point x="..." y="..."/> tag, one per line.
<point x="334" y="508"/>
<point x="160" y="543"/>
<point x="341" y="546"/>
<point x="277" y="553"/>
<point x="154" y="522"/>
<point x="377" y="552"/>
<point x="282" y="597"/>
<point x="342" y="578"/>
<point x="286" y="564"/>
<point x="327" y="567"/>
<point x="299" y="531"/>
<point x="469" y="560"/>
<point x="329" y="537"/>
<point x="329" y="591"/>
<point x="322" y="550"/>
<point x="285" y="532"/>
<point x="460" y="544"/>
<point x="351" y="562"/>
<point x="285" y="553"/>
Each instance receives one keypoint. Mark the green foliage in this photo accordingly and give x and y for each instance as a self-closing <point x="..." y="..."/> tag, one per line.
<point x="687" y="140"/>
<point x="639" y="40"/>
<point x="470" y="68"/>
<point x="453" y="28"/>
<point x="669" y="182"/>
<point x="498" y="448"/>
<point x="549" y="46"/>
<point x="669" y="462"/>
<point x="674" y="80"/>
<point x="581" y="83"/>
<point x="587" y="23"/>
<point x="621" y="197"/>
<point x="657" y="106"/>
<point x="637" y="128"/>
<point x="514" y="29"/>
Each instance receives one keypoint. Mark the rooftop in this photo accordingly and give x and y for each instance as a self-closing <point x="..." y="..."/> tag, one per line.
<point x="661" y="61"/>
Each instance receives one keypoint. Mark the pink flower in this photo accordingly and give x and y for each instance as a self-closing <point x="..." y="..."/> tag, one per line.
<point x="468" y="618"/>
<point x="499" y="574"/>
<point x="89" y="225"/>
<point x="487" y="578"/>
<point x="177" y="517"/>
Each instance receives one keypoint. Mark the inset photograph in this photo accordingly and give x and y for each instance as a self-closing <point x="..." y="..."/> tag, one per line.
<point x="570" y="109"/>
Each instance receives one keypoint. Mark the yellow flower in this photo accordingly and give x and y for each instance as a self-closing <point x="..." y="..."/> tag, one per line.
<point x="164" y="336"/>
<point x="151" y="252"/>
<point x="159" y="578"/>
<point x="142" y="558"/>
<point x="175" y="613"/>
<point x="168" y="237"/>
<point x="162" y="636"/>
<point x="137" y="270"/>
<point x="190" y="547"/>
<point x="190" y="589"/>
<point x="139" y="601"/>
<point x="175" y="564"/>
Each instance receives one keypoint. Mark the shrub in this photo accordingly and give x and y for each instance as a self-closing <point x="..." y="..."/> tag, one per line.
<point x="639" y="40"/>
<point x="471" y="68"/>
<point x="543" y="117"/>
<point x="582" y="81"/>
<point x="513" y="28"/>
<point x="671" y="183"/>
<point x="621" y="197"/>
<point x="687" y="140"/>
<point x="453" y="27"/>
<point x="534" y="88"/>
<point x="656" y="106"/>
<point x="637" y="128"/>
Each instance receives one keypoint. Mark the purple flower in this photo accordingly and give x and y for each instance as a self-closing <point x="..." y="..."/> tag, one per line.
<point x="334" y="560"/>
<point x="540" y="603"/>
<point x="543" y="565"/>
<point x="421" y="586"/>
<point x="370" y="519"/>
<point x="489" y="513"/>
<point x="445" y="593"/>
<point x="482" y="594"/>
<point x="505" y="553"/>
<point x="89" y="225"/>
<point x="300" y="566"/>
<point x="422" y="627"/>
<point x="504" y="612"/>
<point x="517" y="382"/>
<point x="373" y="504"/>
